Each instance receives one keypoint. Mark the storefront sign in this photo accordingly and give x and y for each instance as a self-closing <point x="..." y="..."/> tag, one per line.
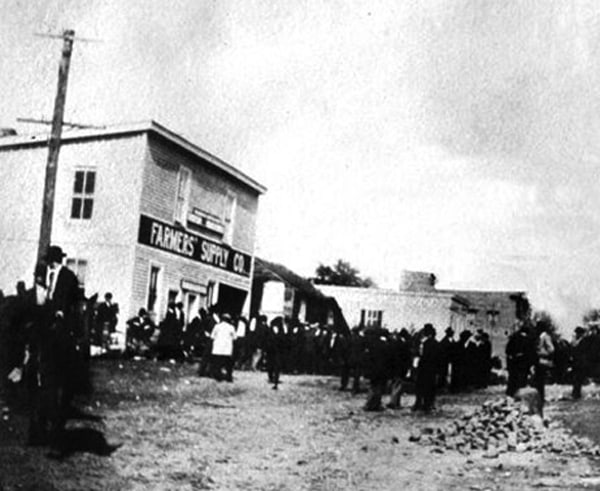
<point x="165" y="237"/>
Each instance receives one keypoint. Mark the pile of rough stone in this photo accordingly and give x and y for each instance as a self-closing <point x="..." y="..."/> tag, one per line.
<point x="500" y="426"/>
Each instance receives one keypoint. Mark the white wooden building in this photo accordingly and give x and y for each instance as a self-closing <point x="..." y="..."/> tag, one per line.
<point x="139" y="210"/>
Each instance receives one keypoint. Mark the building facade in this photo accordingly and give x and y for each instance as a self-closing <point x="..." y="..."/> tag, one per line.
<point x="492" y="311"/>
<point x="279" y="292"/>
<point x="140" y="212"/>
<point x="417" y="302"/>
<point x="395" y="310"/>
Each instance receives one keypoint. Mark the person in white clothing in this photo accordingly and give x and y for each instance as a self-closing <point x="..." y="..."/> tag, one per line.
<point x="223" y="335"/>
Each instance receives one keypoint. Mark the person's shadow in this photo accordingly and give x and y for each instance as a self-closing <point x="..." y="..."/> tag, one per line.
<point x="77" y="440"/>
<point x="81" y="439"/>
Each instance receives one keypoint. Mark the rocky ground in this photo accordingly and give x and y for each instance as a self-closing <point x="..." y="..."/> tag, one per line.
<point x="182" y="432"/>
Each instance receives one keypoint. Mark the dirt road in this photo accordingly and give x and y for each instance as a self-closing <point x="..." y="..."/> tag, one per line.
<point x="182" y="432"/>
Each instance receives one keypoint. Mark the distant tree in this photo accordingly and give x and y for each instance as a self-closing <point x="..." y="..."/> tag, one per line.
<point x="592" y="315"/>
<point x="341" y="273"/>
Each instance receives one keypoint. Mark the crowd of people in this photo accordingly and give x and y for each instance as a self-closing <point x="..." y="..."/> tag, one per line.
<point x="219" y="342"/>
<point x="43" y="330"/>
<point x="535" y="356"/>
<point x="276" y="346"/>
<point x="47" y="332"/>
<point x="393" y="362"/>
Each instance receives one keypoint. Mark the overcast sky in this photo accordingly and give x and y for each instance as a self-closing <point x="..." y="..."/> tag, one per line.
<point x="457" y="137"/>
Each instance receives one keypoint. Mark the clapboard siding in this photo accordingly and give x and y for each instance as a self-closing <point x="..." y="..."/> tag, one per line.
<point x="208" y="191"/>
<point x="174" y="269"/>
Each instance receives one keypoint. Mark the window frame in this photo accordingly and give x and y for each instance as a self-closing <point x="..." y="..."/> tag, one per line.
<point x="371" y="318"/>
<point x="84" y="195"/>
<point x="157" y="300"/>
<point x="229" y="216"/>
<point x="182" y="196"/>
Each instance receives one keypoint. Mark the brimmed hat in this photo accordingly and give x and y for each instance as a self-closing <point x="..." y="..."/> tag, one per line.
<point x="54" y="254"/>
<point x="428" y="329"/>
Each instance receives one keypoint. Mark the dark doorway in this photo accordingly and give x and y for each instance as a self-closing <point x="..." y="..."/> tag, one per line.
<point x="231" y="300"/>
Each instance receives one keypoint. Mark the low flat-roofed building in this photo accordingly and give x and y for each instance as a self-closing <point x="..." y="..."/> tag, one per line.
<point x="494" y="312"/>
<point x="399" y="309"/>
<point x="418" y="302"/>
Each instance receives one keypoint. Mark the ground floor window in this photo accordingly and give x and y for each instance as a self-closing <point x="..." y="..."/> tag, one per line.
<point x="79" y="267"/>
<point x="371" y="318"/>
<point x="153" y="288"/>
<point x="172" y="296"/>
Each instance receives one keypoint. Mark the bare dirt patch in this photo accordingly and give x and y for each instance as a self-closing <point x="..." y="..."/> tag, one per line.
<point x="183" y="432"/>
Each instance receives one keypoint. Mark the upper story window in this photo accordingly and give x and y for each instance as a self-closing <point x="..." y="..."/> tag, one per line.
<point x="84" y="187"/>
<point x="183" y="195"/>
<point x="229" y="217"/>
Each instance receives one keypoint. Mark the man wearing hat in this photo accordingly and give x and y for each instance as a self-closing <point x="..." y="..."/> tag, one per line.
<point x="62" y="287"/>
<point x="520" y="357"/>
<point x="580" y="361"/>
<point x="426" y="370"/>
<point x="58" y="368"/>
<point x="446" y="356"/>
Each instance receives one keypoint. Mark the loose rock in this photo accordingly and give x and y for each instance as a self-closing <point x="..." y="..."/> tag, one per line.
<point x="503" y="425"/>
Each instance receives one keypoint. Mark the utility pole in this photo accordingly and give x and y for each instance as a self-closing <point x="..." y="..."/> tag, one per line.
<point x="54" y="144"/>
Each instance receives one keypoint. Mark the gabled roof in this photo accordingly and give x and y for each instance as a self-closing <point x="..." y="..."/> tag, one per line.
<point x="266" y="270"/>
<point x="150" y="127"/>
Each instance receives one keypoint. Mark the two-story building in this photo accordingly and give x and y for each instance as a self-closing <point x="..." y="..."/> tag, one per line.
<point x="140" y="211"/>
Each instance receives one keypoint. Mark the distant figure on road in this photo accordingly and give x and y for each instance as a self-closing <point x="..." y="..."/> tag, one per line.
<point x="446" y="356"/>
<point x="208" y="320"/>
<point x="520" y="357"/>
<point x="400" y="365"/>
<point x="168" y="345"/>
<point x="223" y="336"/>
<point x="460" y="367"/>
<point x="274" y="350"/>
<point x="427" y="368"/>
<point x="579" y="361"/>
<point x="377" y="363"/>
<point x="544" y="349"/>
<point x="106" y="321"/>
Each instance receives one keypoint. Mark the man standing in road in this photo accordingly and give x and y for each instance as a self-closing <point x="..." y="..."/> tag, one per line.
<point x="520" y="356"/>
<point x="579" y="361"/>
<point x="58" y="369"/>
<point x="544" y="348"/>
<point x="223" y="335"/>
<point x="446" y="355"/>
<point x="427" y="369"/>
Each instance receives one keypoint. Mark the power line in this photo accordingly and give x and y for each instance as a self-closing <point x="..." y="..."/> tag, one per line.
<point x="64" y="123"/>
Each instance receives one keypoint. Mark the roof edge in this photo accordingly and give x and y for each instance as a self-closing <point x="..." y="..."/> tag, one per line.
<point x="147" y="126"/>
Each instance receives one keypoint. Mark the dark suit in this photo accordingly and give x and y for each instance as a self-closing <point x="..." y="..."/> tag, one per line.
<point x="274" y="351"/>
<point x="426" y="374"/>
<point x="378" y="365"/>
<point x="65" y="296"/>
<point x="60" y="364"/>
